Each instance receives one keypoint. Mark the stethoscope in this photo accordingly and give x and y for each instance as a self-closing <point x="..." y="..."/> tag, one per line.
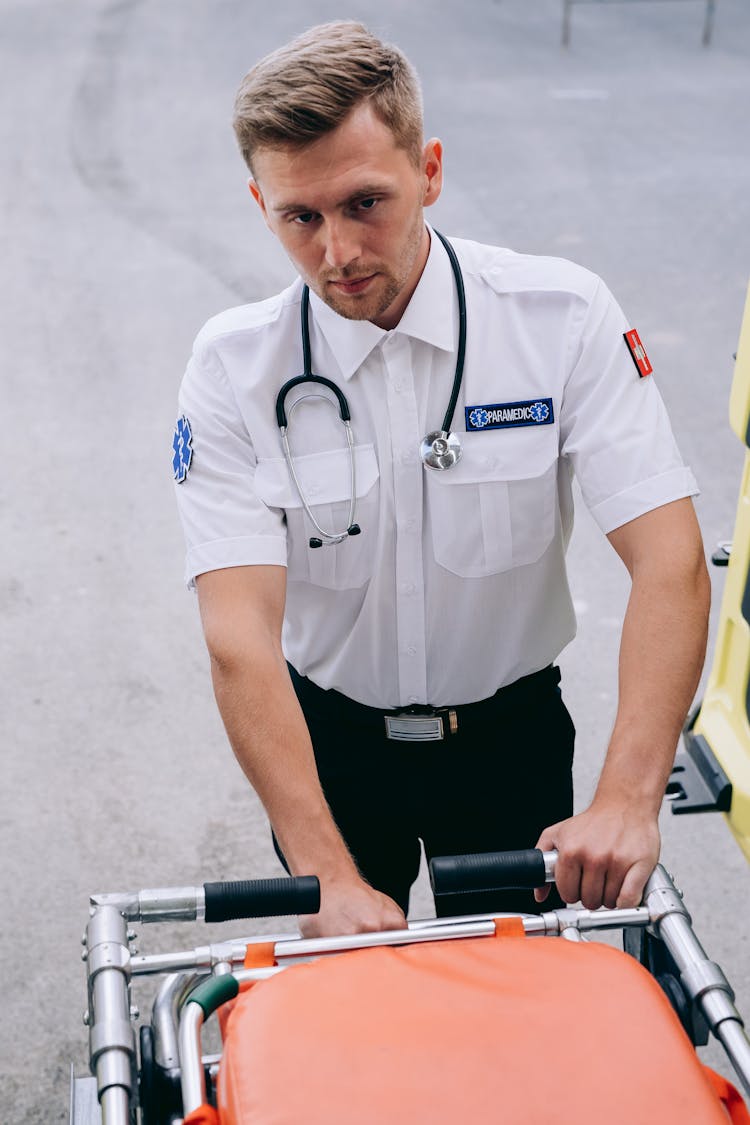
<point x="440" y="449"/>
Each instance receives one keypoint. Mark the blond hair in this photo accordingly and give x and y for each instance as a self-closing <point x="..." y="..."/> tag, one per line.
<point x="306" y="88"/>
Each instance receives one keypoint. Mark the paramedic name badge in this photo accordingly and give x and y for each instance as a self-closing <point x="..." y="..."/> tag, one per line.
<point x="638" y="352"/>
<point x="182" y="446"/>
<point x="503" y="415"/>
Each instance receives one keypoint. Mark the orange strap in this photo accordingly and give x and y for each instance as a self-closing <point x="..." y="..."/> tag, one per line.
<point x="728" y="1095"/>
<point x="260" y="955"/>
<point x="509" y="927"/>
<point x="203" y="1115"/>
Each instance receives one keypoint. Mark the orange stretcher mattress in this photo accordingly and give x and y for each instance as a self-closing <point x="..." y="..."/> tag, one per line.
<point x="519" y="1031"/>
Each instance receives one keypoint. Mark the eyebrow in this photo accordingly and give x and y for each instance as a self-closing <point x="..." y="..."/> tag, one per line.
<point x="364" y="192"/>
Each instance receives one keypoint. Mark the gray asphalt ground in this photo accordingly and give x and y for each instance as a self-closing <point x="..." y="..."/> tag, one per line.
<point x="126" y="223"/>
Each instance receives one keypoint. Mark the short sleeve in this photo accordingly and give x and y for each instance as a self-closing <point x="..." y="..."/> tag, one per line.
<point x="614" y="428"/>
<point x="224" y="521"/>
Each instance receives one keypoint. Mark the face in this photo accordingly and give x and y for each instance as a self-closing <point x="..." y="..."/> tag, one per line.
<point x="348" y="211"/>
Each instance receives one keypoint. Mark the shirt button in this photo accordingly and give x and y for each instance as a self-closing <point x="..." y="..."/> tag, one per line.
<point x="409" y="588"/>
<point x="411" y="650"/>
<point x="414" y="699"/>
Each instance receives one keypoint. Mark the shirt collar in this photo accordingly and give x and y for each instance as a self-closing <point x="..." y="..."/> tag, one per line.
<point x="431" y="315"/>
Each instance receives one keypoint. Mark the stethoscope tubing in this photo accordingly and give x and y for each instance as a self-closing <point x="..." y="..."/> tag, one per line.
<point x="461" y="352"/>
<point x="326" y="536"/>
<point x="438" y="438"/>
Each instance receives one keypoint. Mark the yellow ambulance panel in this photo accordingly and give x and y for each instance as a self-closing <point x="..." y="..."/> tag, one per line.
<point x="719" y="740"/>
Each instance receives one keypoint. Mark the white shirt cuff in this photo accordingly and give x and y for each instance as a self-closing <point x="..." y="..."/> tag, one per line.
<point x="644" y="497"/>
<point x="246" y="550"/>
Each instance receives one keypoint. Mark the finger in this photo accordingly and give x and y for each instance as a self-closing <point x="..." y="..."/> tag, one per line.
<point x="545" y="843"/>
<point x="568" y="876"/>
<point x="592" y="884"/>
<point x="612" y="887"/>
<point x="631" y="891"/>
<point x="393" y="918"/>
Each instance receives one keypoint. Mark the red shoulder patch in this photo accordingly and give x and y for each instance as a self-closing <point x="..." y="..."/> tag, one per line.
<point x="638" y="352"/>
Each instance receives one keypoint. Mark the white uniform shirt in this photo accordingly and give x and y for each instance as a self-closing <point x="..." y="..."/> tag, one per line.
<point x="457" y="584"/>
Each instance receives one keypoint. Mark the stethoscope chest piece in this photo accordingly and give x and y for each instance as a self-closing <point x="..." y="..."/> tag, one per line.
<point x="440" y="450"/>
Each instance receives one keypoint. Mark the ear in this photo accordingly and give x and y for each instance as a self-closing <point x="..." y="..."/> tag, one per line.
<point x="432" y="170"/>
<point x="257" y="195"/>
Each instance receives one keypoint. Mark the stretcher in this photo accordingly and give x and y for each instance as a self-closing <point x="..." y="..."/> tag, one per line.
<point x="515" y="1019"/>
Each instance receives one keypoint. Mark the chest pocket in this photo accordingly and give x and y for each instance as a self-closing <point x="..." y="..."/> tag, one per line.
<point x="326" y="482"/>
<point x="496" y="508"/>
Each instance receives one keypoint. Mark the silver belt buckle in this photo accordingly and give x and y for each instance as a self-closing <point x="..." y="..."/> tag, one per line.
<point x="414" y="728"/>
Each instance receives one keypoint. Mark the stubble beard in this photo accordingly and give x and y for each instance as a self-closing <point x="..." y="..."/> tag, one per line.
<point x="372" y="305"/>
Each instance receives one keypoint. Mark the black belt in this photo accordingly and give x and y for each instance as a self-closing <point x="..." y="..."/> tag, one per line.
<point x="417" y="723"/>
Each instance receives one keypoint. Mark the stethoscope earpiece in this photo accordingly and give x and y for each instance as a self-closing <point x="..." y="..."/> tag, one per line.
<point x="440" y="449"/>
<point x="355" y="529"/>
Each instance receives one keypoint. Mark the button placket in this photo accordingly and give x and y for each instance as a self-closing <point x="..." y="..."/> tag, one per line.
<point x="403" y="419"/>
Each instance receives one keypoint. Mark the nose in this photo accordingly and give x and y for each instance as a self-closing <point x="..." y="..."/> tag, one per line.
<point x="342" y="245"/>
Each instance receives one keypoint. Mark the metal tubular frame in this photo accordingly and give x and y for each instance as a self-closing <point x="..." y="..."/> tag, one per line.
<point x="177" y="1020"/>
<point x="111" y="1036"/>
<point x="703" y="980"/>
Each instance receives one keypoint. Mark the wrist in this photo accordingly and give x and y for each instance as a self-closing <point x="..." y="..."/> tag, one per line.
<point x="322" y="853"/>
<point x="636" y="771"/>
<point x="631" y="796"/>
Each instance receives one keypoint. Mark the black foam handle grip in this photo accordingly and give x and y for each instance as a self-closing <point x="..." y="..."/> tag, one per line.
<point x="487" y="871"/>
<point x="262" y="898"/>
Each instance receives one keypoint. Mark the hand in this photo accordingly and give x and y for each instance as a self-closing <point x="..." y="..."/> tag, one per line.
<point x="351" y="906"/>
<point x="606" y="854"/>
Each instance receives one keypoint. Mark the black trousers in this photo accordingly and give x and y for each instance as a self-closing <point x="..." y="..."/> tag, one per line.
<point x="493" y="785"/>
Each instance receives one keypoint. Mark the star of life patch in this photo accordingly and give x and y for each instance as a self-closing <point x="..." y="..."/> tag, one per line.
<point x="503" y="415"/>
<point x="638" y="352"/>
<point x="182" y="446"/>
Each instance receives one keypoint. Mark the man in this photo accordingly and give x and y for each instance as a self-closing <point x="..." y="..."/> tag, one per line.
<point x="422" y="608"/>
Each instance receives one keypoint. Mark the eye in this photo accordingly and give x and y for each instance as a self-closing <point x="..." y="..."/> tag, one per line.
<point x="305" y="218"/>
<point x="366" y="204"/>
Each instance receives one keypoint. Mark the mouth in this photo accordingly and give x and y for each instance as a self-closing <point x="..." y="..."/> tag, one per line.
<point x="354" y="285"/>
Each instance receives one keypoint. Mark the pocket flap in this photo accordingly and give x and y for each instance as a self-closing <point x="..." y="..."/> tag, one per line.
<point x="325" y="477"/>
<point x="512" y="454"/>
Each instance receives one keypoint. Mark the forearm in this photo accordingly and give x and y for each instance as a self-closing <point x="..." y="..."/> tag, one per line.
<point x="661" y="655"/>
<point x="268" y="734"/>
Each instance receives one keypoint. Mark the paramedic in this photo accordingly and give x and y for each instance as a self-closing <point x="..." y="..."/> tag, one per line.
<point x="445" y="609"/>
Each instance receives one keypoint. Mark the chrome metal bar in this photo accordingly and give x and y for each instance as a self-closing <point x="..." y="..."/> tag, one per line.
<point x="703" y="980"/>
<point x="734" y="1040"/>
<point x="172" y="904"/>
<point x="433" y="923"/>
<point x="115" y="1106"/>
<point x="160" y="904"/>
<point x="84" y="1103"/>
<point x="203" y="958"/>
<point x="310" y="947"/>
<point x="615" y="919"/>
<point x="165" y="1015"/>
<point x="111" y="1037"/>
<point x="192" y="1078"/>
<point x="190" y="960"/>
